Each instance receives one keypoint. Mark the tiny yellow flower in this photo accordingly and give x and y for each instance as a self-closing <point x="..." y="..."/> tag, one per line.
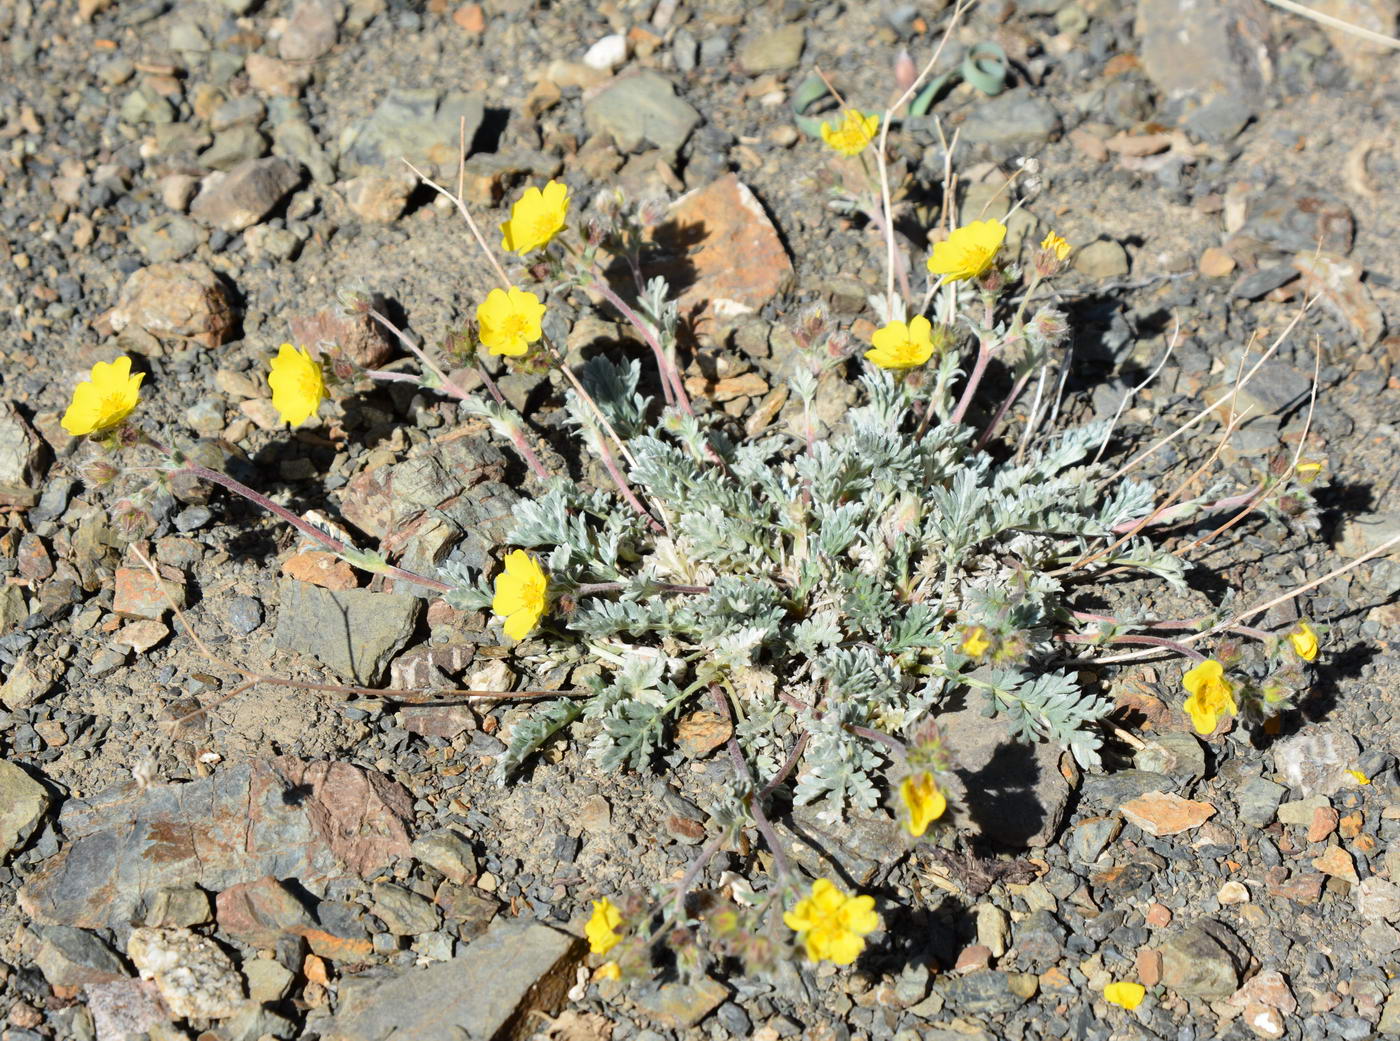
<point x="1308" y="471"/>
<point x="901" y="346"/>
<point x="855" y="133"/>
<point x="831" y="925"/>
<point x="975" y="642"/>
<point x="520" y="595"/>
<point x="1358" y="777"/>
<point x="1212" y="695"/>
<point x="536" y="217"/>
<point x="297" y="385"/>
<point x="1303" y="640"/>
<point x="968" y="252"/>
<point x="1054" y="244"/>
<point x="509" y="321"/>
<point x="609" y="970"/>
<point x="104" y="399"/>
<point x="924" y="800"/>
<point x="601" y="928"/>
<point x="1125" y="994"/>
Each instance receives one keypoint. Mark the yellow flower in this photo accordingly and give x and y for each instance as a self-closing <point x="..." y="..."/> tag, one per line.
<point x="1308" y="471"/>
<point x="900" y="346"/>
<point x="297" y="384"/>
<point x="1303" y="640"/>
<point x="923" y="799"/>
<point x="520" y="595"/>
<point x="1358" y="777"/>
<point x="104" y="399"/>
<point x="1056" y="245"/>
<point x="831" y="925"/>
<point x="1125" y="994"/>
<point x="509" y="321"/>
<point x="1212" y="695"/>
<point x="854" y="134"/>
<point x="601" y="928"/>
<point x="536" y="217"/>
<point x="975" y="642"/>
<point x="609" y="970"/>
<point x="968" y="252"/>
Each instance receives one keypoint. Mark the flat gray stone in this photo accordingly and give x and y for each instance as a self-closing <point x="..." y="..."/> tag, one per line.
<point x="284" y="817"/>
<point x="74" y="957"/>
<point x="1017" y="119"/>
<point x="417" y="124"/>
<point x="245" y="194"/>
<point x="1196" y="964"/>
<point x="641" y="108"/>
<point x="354" y="632"/>
<point x="775" y="51"/>
<point x="513" y="969"/>
<point x="1259" y="800"/>
<point x="23" y="803"/>
<point x="1316" y="761"/>
<point x="1198" y="52"/>
<point x="23" y="455"/>
<point x="988" y="992"/>
<point x="238" y="144"/>
<point x="404" y="912"/>
<point x="167" y="237"/>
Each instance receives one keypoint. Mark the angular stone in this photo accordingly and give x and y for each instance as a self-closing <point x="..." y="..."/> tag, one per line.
<point x="276" y="78"/>
<point x="23" y="455"/>
<point x="1200" y="54"/>
<point x="1017" y="119"/>
<point x="1336" y="282"/>
<point x="320" y="568"/>
<point x="1302" y="811"/>
<point x="179" y="907"/>
<point x="1315" y="762"/>
<point x="359" y="336"/>
<point x="720" y="252"/>
<point x="864" y="848"/>
<point x="403" y="912"/>
<point x="193" y="974"/>
<point x="32" y="677"/>
<point x="184" y="301"/>
<point x="1337" y="863"/>
<point x="1196" y="965"/>
<point x="680" y="1005"/>
<point x="23" y="803"/>
<point x="1166" y="813"/>
<point x="514" y="969"/>
<point x="260" y="913"/>
<point x="1091" y="837"/>
<point x="141" y="636"/>
<point x="470" y="909"/>
<point x="1269" y="989"/>
<point x="310" y="32"/>
<point x="421" y="125"/>
<point x="379" y="197"/>
<point x="1259" y="800"/>
<point x="993" y="928"/>
<point x="267" y="980"/>
<point x="448" y="853"/>
<point x="1377" y="898"/>
<point x="1296" y="218"/>
<point x="639" y="108"/>
<point x="285" y="817"/>
<point x="1040" y="940"/>
<point x="987" y="993"/>
<point x="74" y="958"/>
<point x="124" y="1007"/>
<point x="354" y="632"/>
<point x="774" y="51"/>
<point x="245" y="194"/>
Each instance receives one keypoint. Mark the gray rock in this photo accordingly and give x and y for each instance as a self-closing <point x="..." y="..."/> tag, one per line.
<point x="245" y="613"/>
<point x="233" y="146"/>
<point x="379" y="197"/>
<point x="682" y="1005"/>
<point x="267" y="979"/>
<point x="404" y="912"/>
<point x="1040" y="940"/>
<point x="1013" y="793"/>
<point x="1380" y="939"/>
<point x="1016" y="120"/>
<point x="23" y="455"/>
<point x="1376" y="898"/>
<point x="274" y="243"/>
<point x="449" y="853"/>
<point x="988" y="992"/>
<point x="1197" y="965"/>
<point x="246" y="194"/>
<point x="417" y="124"/>
<point x="168" y="237"/>
<point x="144" y="105"/>
<point x="1089" y="838"/>
<point x="246" y="108"/>
<point x="1315" y="762"/>
<point x="310" y="32"/>
<point x="13" y="610"/>
<point x="775" y="51"/>
<point x="641" y="108"/>
<point x="125" y="844"/>
<point x="1102" y="259"/>
<point x="23" y="803"/>
<point x="179" y="907"/>
<point x="516" y="967"/>
<point x="1294" y="218"/>
<point x="1199" y="54"/>
<point x="1259" y="799"/>
<point x="1253" y="285"/>
<point x="251" y="1021"/>
<point x="354" y="632"/>
<point x="864" y="848"/>
<point x="1221" y="120"/>
<point x="1300" y="812"/>
<point x="295" y="139"/>
<point x="1180" y="756"/>
<point x="75" y="957"/>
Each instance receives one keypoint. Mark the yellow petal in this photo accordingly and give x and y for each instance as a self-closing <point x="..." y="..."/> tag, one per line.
<point x="1125" y="993"/>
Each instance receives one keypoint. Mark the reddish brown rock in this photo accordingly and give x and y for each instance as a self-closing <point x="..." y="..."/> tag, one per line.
<point x="359" y="336"/>
<point x="175" y="302"/>
<point x="139" y="595"/>
<point x="973" y="959"/>
<point x="1165" y="813"/>
<point x="1336" y="862"/>
<point x="1324" y="822"/>
<point x="320" y="568"/>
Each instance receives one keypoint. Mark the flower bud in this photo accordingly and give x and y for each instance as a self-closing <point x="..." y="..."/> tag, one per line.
<point x="132" y="522"/>
<point x="652" y="211"/>
<point x="98" y="473"/>
<point x="1048" y="328"/>
<point x="354" y="299"/>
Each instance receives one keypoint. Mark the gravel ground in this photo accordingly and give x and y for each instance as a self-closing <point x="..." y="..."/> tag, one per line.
<point x="192" y="183"/>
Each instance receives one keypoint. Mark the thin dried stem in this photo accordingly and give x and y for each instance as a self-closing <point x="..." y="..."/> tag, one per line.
<point x="1129" y="395"/>
<point x="471" y="224"/>
<point x="444" y="380"/>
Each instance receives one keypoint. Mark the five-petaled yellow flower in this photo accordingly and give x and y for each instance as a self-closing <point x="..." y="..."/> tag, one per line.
<point x="509" y="321"/>
<point x="831" y="925"/>
<point x="968" y="252"/>
<point x="975" y="642"/>
<point x="901" y="346"/>
<point x="601" y="928"/>
<point x="1303" y="640"/>
<point x="923" y="799"/>
<point x="104" y="399"/>
<point x="1052" y="243"/>
<point x="854" y="134"/>
<point x="536" y="217"/>
<point x="1212" y="695"/>
<point x="297" y="383"/>
<point x="520" y="594"/>
<point x="1125" y="994"/>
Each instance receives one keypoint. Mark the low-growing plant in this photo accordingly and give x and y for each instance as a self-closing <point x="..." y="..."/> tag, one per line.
<point x="825" y="593"/>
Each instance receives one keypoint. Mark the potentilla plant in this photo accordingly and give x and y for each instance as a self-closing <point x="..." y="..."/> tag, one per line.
<point x="825" y="597"/>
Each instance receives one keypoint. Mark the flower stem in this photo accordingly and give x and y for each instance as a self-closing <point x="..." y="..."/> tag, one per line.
<point x="671" y="384"/>
<point x="979" y="369"/>
<point x="754" y="802"/>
